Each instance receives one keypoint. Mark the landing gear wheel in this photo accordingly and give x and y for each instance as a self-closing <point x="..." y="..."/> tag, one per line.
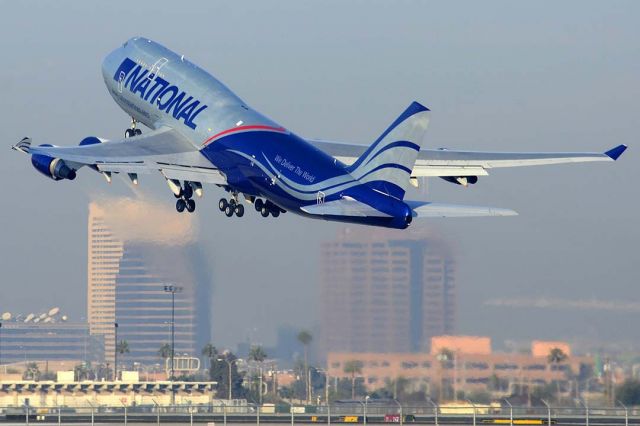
<point x="191" y="206"/>
<point x="222" y="204"/>
<point x="275" y="212"/>
<point x="187" y="191"/>
<point x="258" y="204"/>
<point x="137" y="132"/>
<point x="129" y="133"/>
<point x="229" y="210"/>
<point x="264" y="211"/>
<point x="180" y="205"/>
<point x="239" y="210"/>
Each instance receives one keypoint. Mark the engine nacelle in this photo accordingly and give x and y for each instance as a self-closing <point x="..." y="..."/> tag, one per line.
<point x="90" y="140"/>
<point x="461" y="180"/>
<point x="53" y="168"/>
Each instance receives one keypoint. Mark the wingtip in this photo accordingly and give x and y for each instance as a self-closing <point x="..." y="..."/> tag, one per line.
<point x="504" y="212"/>
<point x="616" y="152"/>
<point x="419" y="107"/>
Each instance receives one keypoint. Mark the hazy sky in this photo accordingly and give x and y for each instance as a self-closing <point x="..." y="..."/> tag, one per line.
<point x="537" y="76"/>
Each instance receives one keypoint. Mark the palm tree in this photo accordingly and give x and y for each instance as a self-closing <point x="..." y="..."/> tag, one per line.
<point x="445" y="355"/>
<point x="165" y="351"/>
<point x="209" y="352"/>
<point x="81" y="371"/>
<point x="32" y="372"/>
<point x="305" y="338"/>
<point x="257" y="354"/>
<point x="122" y="347"/>
<point x="557" y="356"/>
<point x="352" y="368"/>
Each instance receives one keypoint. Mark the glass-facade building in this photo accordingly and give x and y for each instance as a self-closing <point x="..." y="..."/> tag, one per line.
<point x="143" y="309"/>
<point x="31" y="342"/>
<point x="135" y="250"/>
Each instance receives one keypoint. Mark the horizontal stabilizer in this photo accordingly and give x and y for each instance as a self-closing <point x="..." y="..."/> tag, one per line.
<point x="431" y="210"/>
<point x="346" y="206"/>
<point x="23" y="146"/>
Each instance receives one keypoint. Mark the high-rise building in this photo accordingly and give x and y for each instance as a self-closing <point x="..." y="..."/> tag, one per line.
<point x="104" y="255"/>
<point x="135" y="250"/>
<point x="385" y="291"/>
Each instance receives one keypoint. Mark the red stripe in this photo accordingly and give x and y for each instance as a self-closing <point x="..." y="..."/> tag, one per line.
<point x="241" y="128"/>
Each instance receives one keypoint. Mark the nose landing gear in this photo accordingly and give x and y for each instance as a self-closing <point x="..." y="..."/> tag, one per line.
<point x="133" y="130"/>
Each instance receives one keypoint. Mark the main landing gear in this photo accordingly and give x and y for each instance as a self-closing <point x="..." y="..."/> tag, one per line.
<point x="231" y="206"/>
<point x="133" y="130"/>
<point x="185" y="200"/>
<point x="266" y="208"/>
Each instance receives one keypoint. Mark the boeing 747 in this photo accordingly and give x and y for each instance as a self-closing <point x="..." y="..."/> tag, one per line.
<point x="202" y="133"/>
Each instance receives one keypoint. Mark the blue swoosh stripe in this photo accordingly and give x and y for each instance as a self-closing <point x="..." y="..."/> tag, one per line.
<point x="397" y="144"/>
<point x="386" y="166"/>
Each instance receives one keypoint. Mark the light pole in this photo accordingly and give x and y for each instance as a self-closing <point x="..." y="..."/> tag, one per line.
<point x="115" y="364"/>
<point x="510" y="411"/>
<point x="173" y="290"/>
<point x="400" y="407"/>
<point x="435" y="410"/>
<point x="366" y="401"/>
<point x="474" y="411"/>
<point x="229" y="364"/>
<point x="0" y="343"/>
<point x="626" y="413"/>
<point x="548" y="411"/>
<point x="586" y="411"/>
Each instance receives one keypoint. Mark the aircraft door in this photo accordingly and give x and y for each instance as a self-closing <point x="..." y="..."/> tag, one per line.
<point x="155" y="68"/>
<point x="121" y="81"/>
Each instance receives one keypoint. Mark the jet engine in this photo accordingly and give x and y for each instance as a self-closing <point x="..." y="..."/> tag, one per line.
<point x="53" y="168"/>
<point x="461" y="180"/>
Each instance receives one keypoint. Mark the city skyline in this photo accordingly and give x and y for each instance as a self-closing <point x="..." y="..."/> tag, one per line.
<point x="497" y="77"/>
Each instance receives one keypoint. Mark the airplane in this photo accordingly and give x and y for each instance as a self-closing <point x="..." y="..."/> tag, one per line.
<point x="202" y="133"/>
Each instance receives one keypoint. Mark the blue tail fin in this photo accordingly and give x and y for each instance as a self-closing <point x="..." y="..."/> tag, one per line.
<point x="386" y="165"/>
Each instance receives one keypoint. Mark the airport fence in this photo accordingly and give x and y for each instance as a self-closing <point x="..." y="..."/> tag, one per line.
<point x="362" y="412"/>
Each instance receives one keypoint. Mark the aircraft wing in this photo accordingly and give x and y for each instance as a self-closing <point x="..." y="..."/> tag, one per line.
<point x="163" y="150"/>
<point x="454" y="163"/>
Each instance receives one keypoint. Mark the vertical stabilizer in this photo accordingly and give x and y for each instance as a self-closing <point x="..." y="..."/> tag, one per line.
<point x="386" y="165"/>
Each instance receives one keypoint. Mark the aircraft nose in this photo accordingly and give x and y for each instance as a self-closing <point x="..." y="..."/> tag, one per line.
<point x="111" y="62"/>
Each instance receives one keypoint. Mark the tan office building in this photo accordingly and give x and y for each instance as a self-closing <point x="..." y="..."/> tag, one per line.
<point x="463" y="363"/>
<point x="104" y="255"/>
<point x="135" y="249"/>
<point x="385" y="291"/>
